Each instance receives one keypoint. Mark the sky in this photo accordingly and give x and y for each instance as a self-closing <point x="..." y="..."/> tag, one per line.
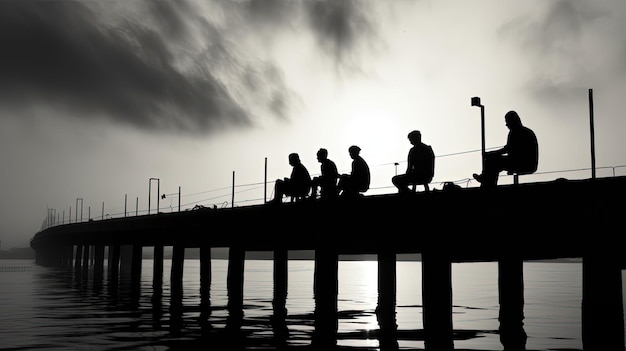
<point x="99" y="97"/>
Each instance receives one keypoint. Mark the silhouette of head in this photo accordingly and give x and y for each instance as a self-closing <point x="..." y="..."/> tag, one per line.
<point x="512" y="120"/>
<point x="354" y="151"/>
<point x="415" y="137"/>
<point x="294" y="159"/>
<point x="322" y="154"/>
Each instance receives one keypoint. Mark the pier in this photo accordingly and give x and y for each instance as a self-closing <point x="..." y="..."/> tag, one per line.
<point x="509" y="225"/>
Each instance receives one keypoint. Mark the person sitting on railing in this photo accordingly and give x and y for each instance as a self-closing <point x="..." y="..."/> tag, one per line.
<point x="297" y="186"/>
<point x="520" y="155"/>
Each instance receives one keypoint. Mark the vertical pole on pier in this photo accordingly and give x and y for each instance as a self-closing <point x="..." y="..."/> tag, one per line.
<point x="592" y="134"/>
<point x="137" y="206"/>
<point x="265" y="183"/>
<point x="437" y="301"/>
<point x="476" y="102"/>
<point x="179" y="198"/>
<point x="232" y="199"/>
<point x="125" y="204"/>
<point x="150" y="192"/>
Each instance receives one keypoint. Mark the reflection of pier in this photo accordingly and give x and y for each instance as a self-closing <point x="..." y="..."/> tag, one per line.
<point x="513" y="223"/>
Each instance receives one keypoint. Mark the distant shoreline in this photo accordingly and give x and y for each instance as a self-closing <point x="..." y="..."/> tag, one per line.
<point x="222" y="254"/>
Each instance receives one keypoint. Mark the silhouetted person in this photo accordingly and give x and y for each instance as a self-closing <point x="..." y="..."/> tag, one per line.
<point x="420" y="165"/>
<point x="297" y="185"/>
<point x="358" y="181"/>
<point x="519" y="155"/>
<point x="327" y="181"/>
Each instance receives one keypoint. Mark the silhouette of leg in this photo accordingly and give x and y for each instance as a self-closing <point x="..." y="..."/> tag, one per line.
<point x="279" y="191"/>
<point x="401" y="182"/>
<point x="494" y="164"/>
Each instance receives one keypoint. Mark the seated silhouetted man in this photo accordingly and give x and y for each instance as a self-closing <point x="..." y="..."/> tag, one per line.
<point x="420" y="165"/>
<point x="358" y="181"/>
<point x="520" y="154"/>
<point x="298" y="185"/>
<point x="327" y="181"/>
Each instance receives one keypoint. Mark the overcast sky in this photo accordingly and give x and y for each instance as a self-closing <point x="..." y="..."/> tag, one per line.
<point x="97" y="97"/>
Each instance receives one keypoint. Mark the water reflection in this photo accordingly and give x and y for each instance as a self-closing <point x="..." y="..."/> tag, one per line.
<point x="127" y="315"/>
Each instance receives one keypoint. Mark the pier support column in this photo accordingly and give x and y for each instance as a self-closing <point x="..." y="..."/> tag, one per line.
<point x="50" y="256"/>
<point x="386" y="309"/>
<point x="68" y="256"/>
<point x="126" y="260"/>
<point x="325" y="290"/>
<point x="157" y="271"/>
<point x="205" y="281"/>
<point x="602" y="306"/>
<point x="386" y="283"/>
<point x="280" y="282"/>
<point x="85" y="264"/>
<point x="135" y="270"/>
<point x="98" y="260"/>
<point x="437" y="301"/>
<point x="511" y="298"/>
<point x="78" y="258"/>
<point x="176" y="275"/>
<point x="98" y="267"/>
<point x="114" y="264"/>
<point x="234" y="281"/>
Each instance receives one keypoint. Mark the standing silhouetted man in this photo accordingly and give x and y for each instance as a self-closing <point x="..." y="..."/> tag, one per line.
<point x="327" y="181"/>
<point x="420" y="165"/>
<point x="298" y="185"/>
<point x="358" y="181"/>
<point x="519" y="155"/>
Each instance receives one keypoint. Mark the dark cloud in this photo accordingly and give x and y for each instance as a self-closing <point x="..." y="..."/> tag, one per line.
<point x="165" y="65"/>
<point x="145" y="69"/>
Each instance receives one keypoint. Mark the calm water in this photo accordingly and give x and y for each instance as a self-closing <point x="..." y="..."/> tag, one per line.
<point x="53" y="309"/>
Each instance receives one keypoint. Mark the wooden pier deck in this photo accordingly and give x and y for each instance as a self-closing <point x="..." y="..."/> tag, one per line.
<point x="510" y="224"/>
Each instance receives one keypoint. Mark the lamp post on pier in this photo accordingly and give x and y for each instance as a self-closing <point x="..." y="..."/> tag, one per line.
<point x="150" y="191"/>
<point x="476" y="102"/>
